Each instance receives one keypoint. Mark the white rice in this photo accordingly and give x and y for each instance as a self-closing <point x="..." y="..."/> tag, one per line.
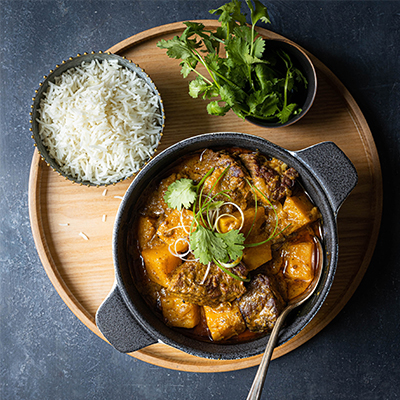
<point x="83" y="235"/>
<point x="100" y="122"/>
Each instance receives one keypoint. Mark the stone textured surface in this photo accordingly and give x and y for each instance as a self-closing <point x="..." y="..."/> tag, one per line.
<point x="47" y="353"/>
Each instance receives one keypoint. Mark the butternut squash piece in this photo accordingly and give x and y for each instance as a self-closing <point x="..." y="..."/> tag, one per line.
<point x="297" y="211"/>
<point x="224" y="321"/>
<point x="178" y="312"/>
<point x="299" y="261"/>
<point x="252" y="220"/>
<point x="254" y="257"/>
<point x="160" y="263"/>
<point x="171" y="231"/>
<point x="229" y="222"/>
<point x="295" y="287"/>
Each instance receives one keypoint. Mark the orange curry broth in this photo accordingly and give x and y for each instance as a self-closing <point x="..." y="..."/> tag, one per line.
<point x="294" y="276"/>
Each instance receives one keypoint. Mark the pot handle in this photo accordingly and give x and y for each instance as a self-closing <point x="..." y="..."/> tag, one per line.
<point x="333" y="170"/>
<point x="118" y="325"/>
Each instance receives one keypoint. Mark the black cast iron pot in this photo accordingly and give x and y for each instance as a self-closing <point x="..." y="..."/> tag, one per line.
<point x="125" y="319"/>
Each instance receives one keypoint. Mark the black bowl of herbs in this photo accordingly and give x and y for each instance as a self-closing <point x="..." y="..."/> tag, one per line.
<point x="289" y="83"/>
<point x="268" y="82"/>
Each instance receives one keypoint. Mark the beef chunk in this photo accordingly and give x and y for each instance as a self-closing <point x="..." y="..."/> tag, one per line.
<point x="187" y="282"/>
<point x="271" y="177"/>
<point x="261" y="304"/>
<point x="234" y="179"/>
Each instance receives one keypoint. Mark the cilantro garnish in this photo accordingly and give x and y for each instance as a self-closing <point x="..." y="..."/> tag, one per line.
<point x="249" y="79"/>
<point x="233" y="241"/>
<point x="206" y="244"/>
<point x="181" y="193"/>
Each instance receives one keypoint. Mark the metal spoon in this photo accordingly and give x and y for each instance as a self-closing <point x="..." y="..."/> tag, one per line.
<point x="258" y="383"/>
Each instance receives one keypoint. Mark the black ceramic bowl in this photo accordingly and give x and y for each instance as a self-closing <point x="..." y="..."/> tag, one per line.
<point x="125" y="319"/>
<point x="303" y="97"/>
<point x="74" y="62"/>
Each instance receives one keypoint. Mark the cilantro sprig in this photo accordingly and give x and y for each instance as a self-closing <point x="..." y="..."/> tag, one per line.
<point x="242" y="74"/>
<point x="206" y="243"/>
<point x="183" y="192"/>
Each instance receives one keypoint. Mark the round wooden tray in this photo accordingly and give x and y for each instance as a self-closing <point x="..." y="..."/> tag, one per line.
<point x="82" y="270"/>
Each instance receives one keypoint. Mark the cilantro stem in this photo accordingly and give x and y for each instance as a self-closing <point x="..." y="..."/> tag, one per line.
<point x="285" y="90"/>
<point x="252" y="40"/>
<point x="252" y="55"/>
<point x="200" y="58"/>
<point x="199" y="74"/>
<point x="214" y="73"/>
<point x="228" y="81"/>
<point x="200" y="211"/>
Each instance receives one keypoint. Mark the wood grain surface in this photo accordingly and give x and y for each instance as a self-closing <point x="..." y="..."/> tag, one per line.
<point x="82" y="270"/>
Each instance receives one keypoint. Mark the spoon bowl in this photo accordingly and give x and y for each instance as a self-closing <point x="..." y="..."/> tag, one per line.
<point x="258" y="383"/>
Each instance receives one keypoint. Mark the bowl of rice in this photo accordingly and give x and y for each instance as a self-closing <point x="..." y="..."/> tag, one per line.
<point x="97" y="119"/>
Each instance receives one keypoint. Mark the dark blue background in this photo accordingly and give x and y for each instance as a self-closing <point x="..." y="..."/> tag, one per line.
<point x="47" y="353"/>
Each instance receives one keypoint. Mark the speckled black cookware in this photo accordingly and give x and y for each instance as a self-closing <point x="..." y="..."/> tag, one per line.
<point x="125" y="319"/>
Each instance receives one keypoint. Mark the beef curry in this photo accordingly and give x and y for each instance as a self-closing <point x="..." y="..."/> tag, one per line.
<point x="221" y="242"/>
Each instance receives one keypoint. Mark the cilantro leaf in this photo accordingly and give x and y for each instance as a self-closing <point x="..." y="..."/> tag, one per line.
<point x="263" y="103"/>
<point x="258" y="12"/>
<point x="181" y="193"/>
<point x="176" y="48"/>
<point x="238" y="49"/>
<point x="206" y="245"/>
<point x="229" y="13"/>
<point x="258" y="48"/>
<point x="286" y="112"/>
<point x="230" y="94"/>
<point x="188" y="66"/>
<point x="265" y="76"/>
<point x="197" y="86"/>
<point x="233" y="240"/>
<point x="194" y="27"/>
<point x="214" y="108"/>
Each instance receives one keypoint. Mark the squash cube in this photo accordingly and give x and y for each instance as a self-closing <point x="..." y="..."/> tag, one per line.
<point x="252" y="221"/>
<point x="299" y="261"/>
<point x="160" y="263"/>
<point x="254" y="257"/>
<point x="296" y="287"/>
<point x="224" y="321"/>
<point x="229" y="222"/>
<point x="178" y="312"/>
<point x="297" y="212"/>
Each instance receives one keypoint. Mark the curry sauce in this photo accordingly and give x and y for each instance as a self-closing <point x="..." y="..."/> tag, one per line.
<point x="221" y="242"/>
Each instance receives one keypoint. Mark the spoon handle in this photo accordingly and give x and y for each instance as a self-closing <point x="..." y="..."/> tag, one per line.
<point x="258" y="383"/>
